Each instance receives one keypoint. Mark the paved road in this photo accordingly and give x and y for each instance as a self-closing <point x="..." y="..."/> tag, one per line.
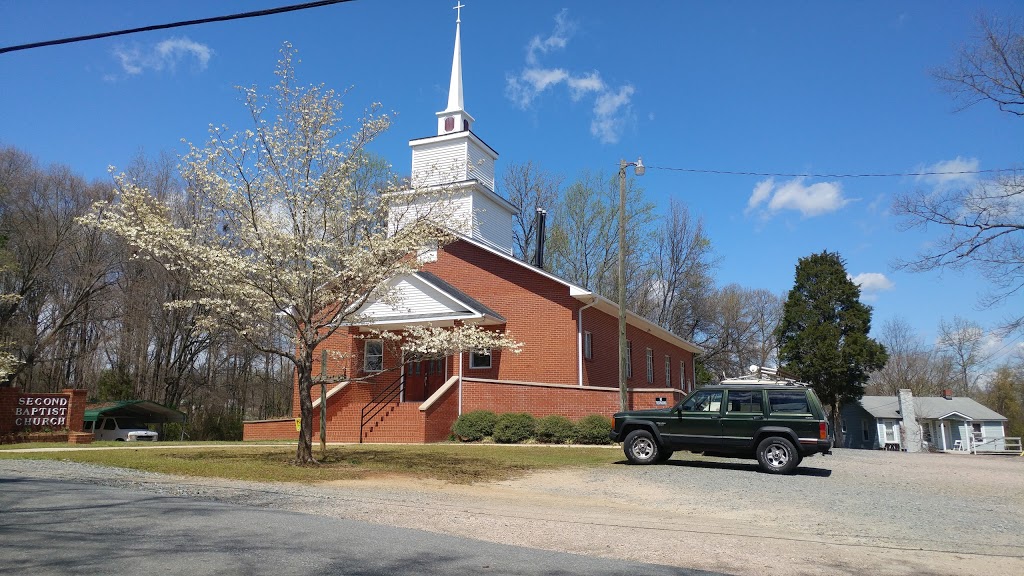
<point x="52" y="527"/>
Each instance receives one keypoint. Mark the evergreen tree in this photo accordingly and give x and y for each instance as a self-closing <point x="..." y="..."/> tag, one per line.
<point x="823" y="337"/>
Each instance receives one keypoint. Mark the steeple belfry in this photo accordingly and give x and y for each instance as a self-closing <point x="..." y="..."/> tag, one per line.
<point x="454" y="118"/>
<point x="457" y="160"/>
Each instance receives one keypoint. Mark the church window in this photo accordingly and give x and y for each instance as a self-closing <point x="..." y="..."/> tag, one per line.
<point x="480" y="358"/>
<point x="373" y="355"/>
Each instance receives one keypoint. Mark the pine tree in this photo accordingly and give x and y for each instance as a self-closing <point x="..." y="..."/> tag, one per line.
<point x="823" y="337"/>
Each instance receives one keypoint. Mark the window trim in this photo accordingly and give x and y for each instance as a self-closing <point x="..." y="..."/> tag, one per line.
<point x="588" y="346"/>
<point x="367" y="356"/>
<point x="473" y="354"/>
<point x="650" y="366"/>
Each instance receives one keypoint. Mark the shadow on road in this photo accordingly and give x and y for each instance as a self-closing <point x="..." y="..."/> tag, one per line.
<point x="742" y="466"/>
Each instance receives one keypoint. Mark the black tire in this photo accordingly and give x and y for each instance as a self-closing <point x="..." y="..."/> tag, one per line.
<point x="664" y="455"/>
<point x="118" y="439"/>
<point x="641" y="447"/>
<point x="777" y="455"/>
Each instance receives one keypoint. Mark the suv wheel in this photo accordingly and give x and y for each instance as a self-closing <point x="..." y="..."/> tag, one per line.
<point x="640" y="447"/>
<point x="777" y="455"/>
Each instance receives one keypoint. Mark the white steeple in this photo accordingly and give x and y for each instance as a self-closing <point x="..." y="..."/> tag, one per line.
<point x="454" y="118"/>
<point x="458" y="160"/>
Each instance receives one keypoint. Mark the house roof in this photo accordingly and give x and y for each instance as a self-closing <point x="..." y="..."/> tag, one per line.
<point x="600" y="302"/>
<point x="144" y="410"/>
<point x="930" y="408"/>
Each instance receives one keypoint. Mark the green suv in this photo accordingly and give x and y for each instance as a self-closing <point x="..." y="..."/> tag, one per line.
<point x="778" y="425"/>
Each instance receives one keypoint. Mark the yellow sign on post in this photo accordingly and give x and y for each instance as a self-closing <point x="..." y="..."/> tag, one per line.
<point x="298" y="424"/>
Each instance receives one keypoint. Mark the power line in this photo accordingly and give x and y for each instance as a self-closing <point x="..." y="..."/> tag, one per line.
<point x="239" y="16"/>
<point x="809" y="175"/>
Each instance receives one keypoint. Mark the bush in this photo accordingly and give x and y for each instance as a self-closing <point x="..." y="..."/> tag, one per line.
<point x="593" y="429"/>
<point x="555" y="429"/>
<point x="474" y="426"/>
<point x="514" y="427"/>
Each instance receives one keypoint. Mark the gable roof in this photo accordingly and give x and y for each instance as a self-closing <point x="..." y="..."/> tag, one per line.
<point x="591" y="298"/>
<point x="423" y="297"/>
<point x="930" y="408"/>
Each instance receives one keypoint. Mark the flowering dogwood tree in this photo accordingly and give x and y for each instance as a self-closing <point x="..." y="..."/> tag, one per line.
<point x="281" y="232"/>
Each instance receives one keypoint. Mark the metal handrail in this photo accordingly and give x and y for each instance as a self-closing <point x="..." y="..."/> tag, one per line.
<point x="379" y="402"/>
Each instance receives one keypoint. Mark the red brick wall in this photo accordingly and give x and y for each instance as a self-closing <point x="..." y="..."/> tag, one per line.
<point x="270" y="430"/>
<point x="541" y="314"/>
<point x="9" y="404"/>
<point x="543" y="400"/>
<point x="603" y="369"/>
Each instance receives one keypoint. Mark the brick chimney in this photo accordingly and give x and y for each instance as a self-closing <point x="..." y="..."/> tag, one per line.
<point x="947" y="393"/>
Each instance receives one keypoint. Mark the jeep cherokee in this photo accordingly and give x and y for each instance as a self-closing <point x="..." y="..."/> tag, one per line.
<point x="779" y="425"/>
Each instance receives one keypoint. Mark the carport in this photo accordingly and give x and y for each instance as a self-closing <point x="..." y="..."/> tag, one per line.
<point x="141" y="410"/>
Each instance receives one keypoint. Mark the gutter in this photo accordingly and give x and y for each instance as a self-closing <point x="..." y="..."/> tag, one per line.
<point x="579" y="340"/>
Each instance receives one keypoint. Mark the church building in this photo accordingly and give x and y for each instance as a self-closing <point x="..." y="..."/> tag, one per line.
<point x="568" y="363"/>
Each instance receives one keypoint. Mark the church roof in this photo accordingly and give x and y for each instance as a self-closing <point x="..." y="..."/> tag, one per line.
<point x="591" y="298"/>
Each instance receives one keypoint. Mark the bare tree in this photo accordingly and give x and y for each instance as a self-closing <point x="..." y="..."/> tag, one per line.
<point x="963" y="342"/>
<point x="991" y="68"/>
<point x="682" y="256"/>
<point x="58" y="273"/>
<point x="529" y="188"/>
<point x="982" y="224"/>
<point x="911" y="364"/>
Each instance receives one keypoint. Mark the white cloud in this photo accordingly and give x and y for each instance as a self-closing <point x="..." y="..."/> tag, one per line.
<point x="580" y="85"/>
<point x="608" y="119"/>
<point x="611" y="110"/>
<point x="558" y="39"/>
<point x="951" y="169"/>
<point x="872" y="282"/>
<point x="814" y="200"/>
<point x="164" y="55"/>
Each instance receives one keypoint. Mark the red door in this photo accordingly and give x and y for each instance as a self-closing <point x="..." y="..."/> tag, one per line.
<point x="423" y="378"/>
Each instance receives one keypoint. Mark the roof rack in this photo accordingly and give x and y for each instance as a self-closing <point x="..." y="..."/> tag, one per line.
<point x="765" y="375"/>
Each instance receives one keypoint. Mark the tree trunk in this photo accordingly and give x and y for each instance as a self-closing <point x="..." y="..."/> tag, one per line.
<point x="837" y="428"/>
<point x="304" y="372"/>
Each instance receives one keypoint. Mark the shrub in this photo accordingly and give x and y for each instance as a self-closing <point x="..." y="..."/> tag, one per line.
<point x="514" y="427"/>
<point x="593" y="429"/>
<point x="555" y="429"/>
<point x="474" y="426"/>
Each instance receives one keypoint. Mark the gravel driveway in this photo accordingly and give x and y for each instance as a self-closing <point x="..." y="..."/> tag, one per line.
<point x="856" y="512"/>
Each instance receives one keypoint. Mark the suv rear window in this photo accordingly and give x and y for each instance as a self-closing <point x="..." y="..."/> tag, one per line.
<point x="745" y="401"/>
<point x="788" y="402"/>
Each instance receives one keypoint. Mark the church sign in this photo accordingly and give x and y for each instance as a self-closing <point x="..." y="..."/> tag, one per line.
<point x="41" y="411"/>
<point x="29" y="412"/>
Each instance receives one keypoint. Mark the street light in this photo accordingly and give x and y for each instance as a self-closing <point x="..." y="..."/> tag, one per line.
<point x="638" y="169"/>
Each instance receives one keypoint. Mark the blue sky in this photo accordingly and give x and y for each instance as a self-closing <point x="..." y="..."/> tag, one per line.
<point x="808" y="87"/>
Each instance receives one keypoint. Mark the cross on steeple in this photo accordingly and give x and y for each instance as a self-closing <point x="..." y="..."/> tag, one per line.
<point x="458" y="12"/>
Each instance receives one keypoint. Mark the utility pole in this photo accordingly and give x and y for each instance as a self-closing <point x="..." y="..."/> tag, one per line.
<point x="638" y="169"/>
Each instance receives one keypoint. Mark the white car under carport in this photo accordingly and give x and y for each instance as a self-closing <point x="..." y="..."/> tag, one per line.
<point x="128" y="420"/>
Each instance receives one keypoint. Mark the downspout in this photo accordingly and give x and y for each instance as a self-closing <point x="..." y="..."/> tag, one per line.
<point x="460" y="383"/>
<point x="579" y="341"/>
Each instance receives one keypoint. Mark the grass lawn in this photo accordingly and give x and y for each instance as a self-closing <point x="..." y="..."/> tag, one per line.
<point x="456" y="463"/>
